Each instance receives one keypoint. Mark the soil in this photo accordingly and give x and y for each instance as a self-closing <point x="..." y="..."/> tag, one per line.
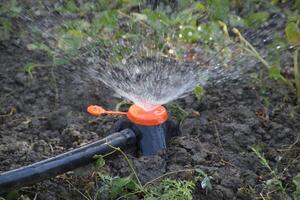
<point x="44" y="115"/>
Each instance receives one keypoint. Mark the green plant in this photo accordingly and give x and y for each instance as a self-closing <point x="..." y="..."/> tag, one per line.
<point x="199" y="93"/>
<point x="293" y="36"/>
<point x="178" y="112"/>
<point x="274" y="71"/>
<point x="296" y="181"/>
<point x="171" y="189"/>
<point x="8" y="10"/>
<point x="275" y="182"/>
<point x="126" y="187"/>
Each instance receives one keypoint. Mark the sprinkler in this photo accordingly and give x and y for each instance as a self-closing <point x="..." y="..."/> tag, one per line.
<point x="149" y="129"/>
<point x="151" y="126"/>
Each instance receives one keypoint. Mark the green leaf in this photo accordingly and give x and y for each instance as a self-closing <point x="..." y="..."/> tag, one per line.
<point x="257" y="18"/>
<point x="108" y="19"/>
<point x="199" y="93"/>
<point x="159" y="21"/>
<point x="120" y="186"/>
<point x="12" y="195"/>
<point x="292" y="33"/>
<point x="200" y="7"/>
<point x="80" y="25"/>
<point x="200" y="172"/>
<point x="206" y="183"/>
<point x="236" y="21"/>
<point x="59" y="61"/>
<point x="71" y="6"/>
<point x="28" y="68"/>
<point x="297" y="4"/>
<point x="296" y="180"/>
<point x="39" y="46"/>
<point x="6" y="24"/>
<point x="189" y="34"/>
<point x="183" y="4"/>
<point x="139" y="17"/>
<point x="274" y="72"/>
<point x="100" y="162"/>
<point x="71" y="41"/>
<point x="218" y="9"/>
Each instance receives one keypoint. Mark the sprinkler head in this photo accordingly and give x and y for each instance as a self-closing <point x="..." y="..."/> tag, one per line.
<point x="151" y="126"/>
<point x="139" y="116"/>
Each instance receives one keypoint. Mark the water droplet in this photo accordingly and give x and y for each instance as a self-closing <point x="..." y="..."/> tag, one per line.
<point x="278" y="47"/>
<point x="171" y="51"/>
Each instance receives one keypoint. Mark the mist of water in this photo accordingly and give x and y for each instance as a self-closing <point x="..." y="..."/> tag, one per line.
<point x="152" y="78"/>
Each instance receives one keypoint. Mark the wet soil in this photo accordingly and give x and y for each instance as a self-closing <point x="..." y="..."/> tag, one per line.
<point x="44" y="115"/>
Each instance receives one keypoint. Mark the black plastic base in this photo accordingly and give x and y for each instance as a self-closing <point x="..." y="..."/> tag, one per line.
<point x="152" y="139"/>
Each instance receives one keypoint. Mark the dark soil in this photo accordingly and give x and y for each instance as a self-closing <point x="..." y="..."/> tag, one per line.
<point x="44" y="115"/>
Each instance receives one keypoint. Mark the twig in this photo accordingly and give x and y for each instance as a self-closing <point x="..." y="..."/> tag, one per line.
<point x="253" y="50"/>
<point x="128" y="194"/>
<point x="78" y="190"/>
<point x="296" y="73"/>
<point x="128" y="161"/>
<point x="218" y="137"/>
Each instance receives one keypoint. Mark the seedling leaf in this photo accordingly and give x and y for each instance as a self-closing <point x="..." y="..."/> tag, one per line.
<point x="100" y="162"/>
<point x="292" y="33"/>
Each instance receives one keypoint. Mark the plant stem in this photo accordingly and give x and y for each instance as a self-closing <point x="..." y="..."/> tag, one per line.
<point x="129" y="163"/>
<point x="253" y="50"/>
<point x="296" y="73"/>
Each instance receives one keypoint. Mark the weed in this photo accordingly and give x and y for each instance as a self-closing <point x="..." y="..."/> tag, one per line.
<point x="8" y="10"/>
<point x="171" y="189"/>
<point x="199" y="93"/>
<point x="296" y="181"/>
<point x="178" y="112"/>
<point x="126" y="187"/>
<point x="293" y="36"/>
<point x="275" y="183"/>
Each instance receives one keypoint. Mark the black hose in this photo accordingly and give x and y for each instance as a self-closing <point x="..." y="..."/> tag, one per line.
<point x="62" y="163"/>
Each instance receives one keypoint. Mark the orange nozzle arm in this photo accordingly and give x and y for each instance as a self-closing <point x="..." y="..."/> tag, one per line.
<point x="98" y="110"/>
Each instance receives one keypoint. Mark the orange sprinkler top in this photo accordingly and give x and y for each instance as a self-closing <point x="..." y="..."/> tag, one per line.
<point x="135" y="114"/>
<point x="154" y="117"/>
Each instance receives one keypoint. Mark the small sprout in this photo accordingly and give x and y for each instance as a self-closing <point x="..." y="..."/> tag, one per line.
<point x="100" y="162"/>
<point x="190" y="34"/>
<point x="199" y="93"/>
<point x="180" y="35"/>
<point x="199" y="28"/>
